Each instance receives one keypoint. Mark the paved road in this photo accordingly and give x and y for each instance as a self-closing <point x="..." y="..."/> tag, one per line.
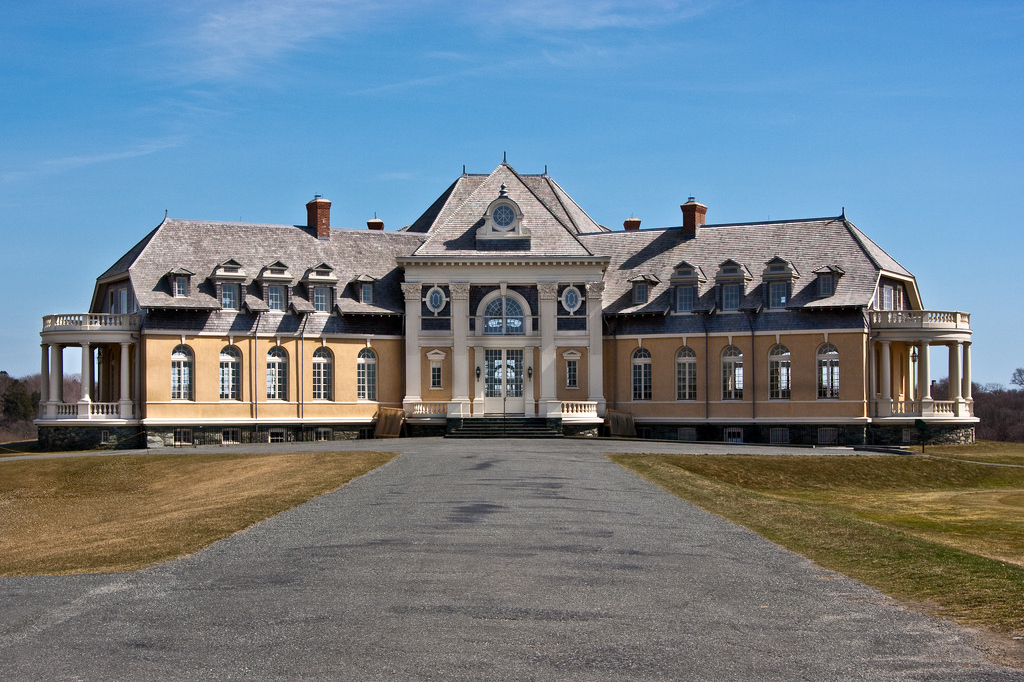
<point x="476" y="560"/>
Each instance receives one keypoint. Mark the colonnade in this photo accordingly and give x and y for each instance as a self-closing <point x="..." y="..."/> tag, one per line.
<point x="101" y="397"/>
<point x="917" y="396"/>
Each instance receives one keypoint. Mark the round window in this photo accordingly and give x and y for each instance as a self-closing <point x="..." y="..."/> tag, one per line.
<point x="504" y="216"/>
<point x="571" y="299"/>
<point x="436" y="300"/>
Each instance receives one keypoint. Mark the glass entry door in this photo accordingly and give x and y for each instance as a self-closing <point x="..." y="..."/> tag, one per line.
<point x="503" y="382"/>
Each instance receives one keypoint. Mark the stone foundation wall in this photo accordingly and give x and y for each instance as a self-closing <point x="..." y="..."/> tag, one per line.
<point x="71" y="438"/>
<point x="585" y="430"/>
<point x="937" y="434"/>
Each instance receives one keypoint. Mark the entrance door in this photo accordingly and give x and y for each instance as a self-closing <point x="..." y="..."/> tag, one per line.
<point x="503" y="383"/>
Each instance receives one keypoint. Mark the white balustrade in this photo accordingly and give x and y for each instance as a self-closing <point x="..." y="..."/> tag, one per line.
<point x="104" y="410"/>
<point x="906" y="407"/>
<point x="91" y="322"/>
<point x="579" y="409"/>
<point x="67" y="410"/>
<point x="945" y="406"/>
<point x="920" y="319"/>
<point x="430" y="410"/>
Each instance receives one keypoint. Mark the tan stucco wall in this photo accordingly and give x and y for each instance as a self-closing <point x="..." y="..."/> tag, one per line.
<point x="582" y="375"/>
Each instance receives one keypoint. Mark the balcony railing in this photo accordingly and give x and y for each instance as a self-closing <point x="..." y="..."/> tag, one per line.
<point x="433" y="410"/>
<point x="92" y="322"/>
<point x="920" y="319"/>
<point x="84" y="410"/>
<point x="579" y="409"/>
<point x="936" y="408"/>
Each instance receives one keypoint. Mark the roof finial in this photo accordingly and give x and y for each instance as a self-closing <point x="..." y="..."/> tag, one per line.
<point x="545" y="169"/>
<point x="463" y="169"/>
<point x="843" y="216"/>
<point x="165" y="214"/>
<point x="504" y="157"/>
<point x="503" y="192"/>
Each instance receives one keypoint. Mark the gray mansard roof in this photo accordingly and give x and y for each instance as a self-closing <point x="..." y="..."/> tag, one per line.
<point x="200" y="246"/>
<point x="558" y="227"/>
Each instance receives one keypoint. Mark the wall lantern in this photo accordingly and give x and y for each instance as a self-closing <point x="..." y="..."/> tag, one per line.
<point x="529" y="372"/>
<point x="477" y="372"/>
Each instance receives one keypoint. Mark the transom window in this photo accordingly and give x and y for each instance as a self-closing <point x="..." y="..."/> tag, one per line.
<point x="323" y="375"/>
<point x="230" y="373"/>
<point x="277" y="374"/>
<point x="780" y="373"/>
<point x="732" y="373"/>
<point x="504" y="315"/>
<point x="642" y="388"/>
<point x="229" y="294"/>
<point x="828" y="371"/>
<point x="686" y="374"/>
<point x="181" y="373"/>
<point x="366" y="375"/>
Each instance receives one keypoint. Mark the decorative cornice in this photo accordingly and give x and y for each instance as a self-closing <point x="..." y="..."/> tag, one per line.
<point x="595" y="290"/>
<point x="548" y="290"/>
<point x="459" y="290"/>
<point x="412" y="290"/>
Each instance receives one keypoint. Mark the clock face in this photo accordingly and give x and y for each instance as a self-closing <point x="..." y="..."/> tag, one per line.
<point x="504" y="216"/>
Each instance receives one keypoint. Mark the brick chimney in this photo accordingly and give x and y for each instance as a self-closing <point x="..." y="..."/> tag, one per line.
<point x="375" y="224"/>
<point x="631" y="224"/>
<point x="318" y="215"/>
<point x="693" y="216"/>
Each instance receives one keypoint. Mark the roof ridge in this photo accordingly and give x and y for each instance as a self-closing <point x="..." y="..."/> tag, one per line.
<point x="552" y="213"/>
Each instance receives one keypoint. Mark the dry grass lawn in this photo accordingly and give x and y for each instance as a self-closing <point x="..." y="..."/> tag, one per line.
<point x="943" y="534"/>
<point x="121" y="513"/>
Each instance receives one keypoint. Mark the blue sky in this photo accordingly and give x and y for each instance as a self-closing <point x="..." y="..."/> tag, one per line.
<point x="909" y="115"/>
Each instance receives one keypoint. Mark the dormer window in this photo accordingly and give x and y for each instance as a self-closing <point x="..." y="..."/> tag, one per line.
<point x="180" y="286"/>
<point x="180" y="281"/>
<point x="686" y="281"/>
<point x="366" y="292"/>
<point x="228" y="277"/>
<point x="730" y="281"/>
<point x="229" y="295"/>
<point x="276" y="297"/>
<point x="777" y="283"/>
<point x="642" y="285"/>
<point x="276" y="281"/>
<point x="322" y="299"/>
<point x="363" y="288"/>
<point x="503" y="219"/>
<point x="321" y="283"/>
<point x="828" y="280"/>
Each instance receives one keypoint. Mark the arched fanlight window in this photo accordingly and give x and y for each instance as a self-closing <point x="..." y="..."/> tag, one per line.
<point x="642" y="374"/>
<point x="780" y="373"/>
<point x="732" y="373"/>
<point x="323" y="374"/>
<point x="504" y="315"/>
<point x="828" y="371"/>
<point x="686" y="374"/>
<point x="366" y="375"/>
<point x="277" y="374"/>
<point x="230" y="373"/>
<point x="181" y="373"/>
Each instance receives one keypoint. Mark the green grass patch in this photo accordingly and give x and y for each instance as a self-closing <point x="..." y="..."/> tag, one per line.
<point x="118" y="513"/>
<point x="946" y="534"/>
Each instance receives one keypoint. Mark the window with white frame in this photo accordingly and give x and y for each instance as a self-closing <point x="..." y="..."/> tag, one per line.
<point x="732" y="373"/>
<point x="183" y="436"/>
<point x="275" y="296"/>
<point x="435" y="374"/>
<point x="181" y="373"/>
<point x="277" y="435"/>
<point x="886" y="297"/>
<point x="826" y="284"/>
<point x="642" y="388"/>
<point x="229" y="295"/>
<point x="366" y="375"/>
<point x="780" y="373"/>
<point x="366" y="292"/>
<point x="828" y="371"/>
<point x="180" y="286"/>
<point x="277" y="374"/>
<point x="504" y="315"/>
<point x="641" y="291"/>
<point x="572" y="373"/>
<point x="686" y="374"/>
<point x="324" y="433"/>
<point x="777" y="293"/>
<point x="731" y="296"/>
<point x="685" y="294"/>
<point x="322" y="299"/>
<point x="230" y="373"/>
<point x="733" y="435"/>
<point x="323" y="374"/>
<point x="230" y="436"/>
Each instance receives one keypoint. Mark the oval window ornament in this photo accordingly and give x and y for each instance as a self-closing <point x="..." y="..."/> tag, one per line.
<point x="571" y="299"/>
<point x="504" y="216"/>
<point x="436" y="300"/>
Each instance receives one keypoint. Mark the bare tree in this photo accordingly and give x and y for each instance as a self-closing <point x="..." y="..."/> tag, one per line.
<point x="1017" y="378"/>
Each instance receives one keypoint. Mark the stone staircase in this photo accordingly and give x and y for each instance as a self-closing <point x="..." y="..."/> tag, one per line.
<point x="507" y="427"/>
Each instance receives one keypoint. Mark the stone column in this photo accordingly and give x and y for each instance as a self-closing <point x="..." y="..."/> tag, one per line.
<point x="86" y="400"/>
<point x="924" y="380"/>
<point x="885" y="404"/>
<point x="460" y="404"/>
<point x="954" y="371"/>
<point x="44" y="379"/>
<point x="595" y="356"/>
<point x="966" y="388"/>
<point x="125" y="403"/>
<point x="548" y="294"/>
<point x="413" y="292"/>
<point x="908" y="375"/>
<point x="56" y="373"/>
<point x="531" y="409"/>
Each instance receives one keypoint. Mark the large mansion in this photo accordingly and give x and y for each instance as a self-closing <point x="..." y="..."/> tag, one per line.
<point x="504" y="298"/>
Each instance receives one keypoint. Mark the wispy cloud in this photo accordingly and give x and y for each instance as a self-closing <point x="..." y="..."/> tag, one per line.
<point x="66" y="163"/>
<point x="588" y="15"/>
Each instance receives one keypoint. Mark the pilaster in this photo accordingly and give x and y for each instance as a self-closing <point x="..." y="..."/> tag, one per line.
<point x="413" y="292"/>
<point x="460" y="404"/>
<point x="595" y="352"/>
<point x="548" y="294"/>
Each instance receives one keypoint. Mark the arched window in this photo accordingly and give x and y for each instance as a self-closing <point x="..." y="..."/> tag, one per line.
<point x="366" y="375"/>
<point x="642" y="374"/>
<point x="181" y="373"/>
<point x="230" y="373"/>
<point x="323" y="375"/>
<point x="277" y="374"/>
<point x="828" y="371"/>
<point x="732" y="373"/>
<point x="780" y="374"/>
<point x="504" y="315"/>
<point x="686" y="374"/>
